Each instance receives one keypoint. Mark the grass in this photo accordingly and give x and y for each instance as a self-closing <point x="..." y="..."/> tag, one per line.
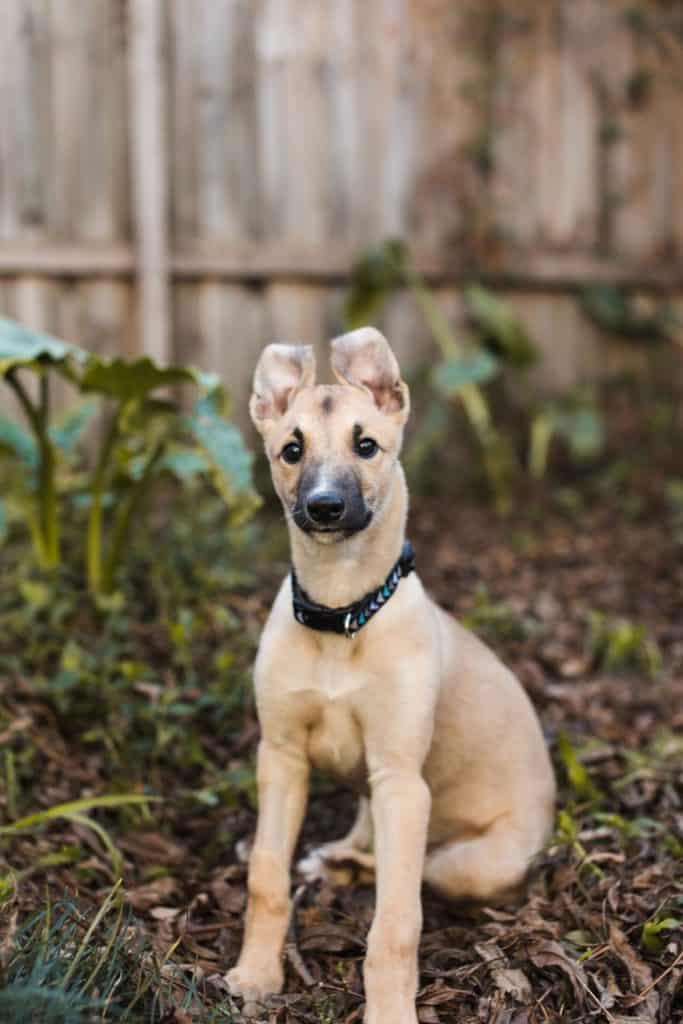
<point x="67" y="966"/>
<point x="116" y="704"/>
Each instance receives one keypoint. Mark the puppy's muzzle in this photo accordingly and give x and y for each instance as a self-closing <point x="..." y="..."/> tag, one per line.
<point x="330" y="503"/>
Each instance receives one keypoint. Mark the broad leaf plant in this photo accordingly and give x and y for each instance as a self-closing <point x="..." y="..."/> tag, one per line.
<point x="138" y="431"/>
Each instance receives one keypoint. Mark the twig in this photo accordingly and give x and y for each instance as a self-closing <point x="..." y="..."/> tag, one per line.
<point x="291" y="951"/>
<point x="595" y="999"/>
<point x="648" y="988"/>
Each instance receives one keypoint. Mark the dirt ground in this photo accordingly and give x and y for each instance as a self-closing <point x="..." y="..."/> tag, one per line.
<point x="584" y="603"/>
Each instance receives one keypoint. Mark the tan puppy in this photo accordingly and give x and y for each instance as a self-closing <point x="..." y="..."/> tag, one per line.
<point x="413" y="710"/>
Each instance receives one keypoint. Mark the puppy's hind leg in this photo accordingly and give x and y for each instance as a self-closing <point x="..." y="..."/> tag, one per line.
<point x="353" y="847"/>
<point x="490" y="867"/>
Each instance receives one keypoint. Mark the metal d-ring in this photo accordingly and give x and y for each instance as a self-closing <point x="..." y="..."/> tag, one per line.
<point x="347" y="627"/>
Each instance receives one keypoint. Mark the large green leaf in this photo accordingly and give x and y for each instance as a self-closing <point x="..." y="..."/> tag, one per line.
<point x="229" y="459"/>
<point x="118" y="378"/>
<point x="501" y="329"/>
<point x="16" y="440"/>
<point x="581" y="427"/>
<point x="4" y="523"/>
<point x="472" y="367"/>
<point x="72" y="424"/>
<point x="184" y="462"/>
<point x="20" y="346"/>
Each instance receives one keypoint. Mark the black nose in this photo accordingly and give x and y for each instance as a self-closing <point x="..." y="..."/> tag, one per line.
<point x="325" y="508"/>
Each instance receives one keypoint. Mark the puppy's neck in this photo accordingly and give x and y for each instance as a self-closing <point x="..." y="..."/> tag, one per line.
<point x="341" y="572"/>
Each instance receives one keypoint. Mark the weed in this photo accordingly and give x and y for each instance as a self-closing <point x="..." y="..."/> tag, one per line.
<point x="618" y="644"/>
<point x="496" y="619"/>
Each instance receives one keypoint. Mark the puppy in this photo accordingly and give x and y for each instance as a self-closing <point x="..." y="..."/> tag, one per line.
<point x="360" y="673"/>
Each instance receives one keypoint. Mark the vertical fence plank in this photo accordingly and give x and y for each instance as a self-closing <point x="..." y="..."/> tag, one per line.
<point x="87" y="158"/>
<point x="88" y="162"/>
<point x="392" y="134"/>
<point x="183" y="86"/>
<point x="446" y="208"/>
<point x="511" y="134"/>
<point x="290" y="45"/>
<point x="106" y="321"/>
<point x="293" y="145"/>
<point x="24" y="125"/>
<point x="24" y="119"/>
<point x="545" y="129"/>
<point x="9" y="99"/>
<point x="232" y="331"/>
<point x="149" y="175"/>
<point x="231" y="317"/>
<point x="568" y="129"/>
<point x="370" y="111"/>
<point x="228" y="153"/>
<point x="644" y="178"/>
<point x="183" y="168"/>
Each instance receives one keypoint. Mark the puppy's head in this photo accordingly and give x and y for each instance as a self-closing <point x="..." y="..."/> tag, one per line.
<point x="332" y="449"/>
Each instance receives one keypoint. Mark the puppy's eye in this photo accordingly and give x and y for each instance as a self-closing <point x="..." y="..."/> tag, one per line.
<point x="292" y="452"/>
<point x="366" y="447"/>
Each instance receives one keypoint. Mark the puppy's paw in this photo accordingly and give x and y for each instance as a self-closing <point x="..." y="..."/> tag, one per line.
<point x="254" y="985"/>
<point x="327" y="862"/>
<point x="313" y="866"/>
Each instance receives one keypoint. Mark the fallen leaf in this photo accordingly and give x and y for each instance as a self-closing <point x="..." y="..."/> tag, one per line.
<point x="508" y="980"/>
<point x="152" y="894"/>
<point x="330" y="938"/>
<point x="551" y="954"/>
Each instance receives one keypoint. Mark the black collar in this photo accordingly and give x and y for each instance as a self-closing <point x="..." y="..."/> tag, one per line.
<point x="352" y="617"/>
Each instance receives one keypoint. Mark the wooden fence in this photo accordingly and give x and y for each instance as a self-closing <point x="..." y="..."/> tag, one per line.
<point x="192" y="178"/>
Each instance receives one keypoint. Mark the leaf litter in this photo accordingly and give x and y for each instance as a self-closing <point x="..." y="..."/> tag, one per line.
<point x="597" y="934"/>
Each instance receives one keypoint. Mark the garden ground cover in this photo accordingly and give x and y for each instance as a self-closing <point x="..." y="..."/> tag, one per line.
<point x="580" y="593"/>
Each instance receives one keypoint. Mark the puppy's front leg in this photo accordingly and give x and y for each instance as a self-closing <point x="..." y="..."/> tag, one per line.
<point x="400" y="810"/>
<point x="282" y="787"/>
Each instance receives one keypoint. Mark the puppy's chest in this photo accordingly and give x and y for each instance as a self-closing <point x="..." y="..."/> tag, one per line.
<point x="335" y="740"/>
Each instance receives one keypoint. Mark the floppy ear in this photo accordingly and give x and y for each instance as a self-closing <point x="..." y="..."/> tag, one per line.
<point x="364" y="359"/>
<point x="280" y="373"/>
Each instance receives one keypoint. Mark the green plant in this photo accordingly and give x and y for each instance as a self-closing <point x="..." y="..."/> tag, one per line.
<point x="651" y="936"/>
<point x="618" y="644"/>
<point x="575" y="419"/>
<point x="495" y="620"/>
<point x="629" y="314"/>
<point x="577" y="775"/>
<point x="464" y="366"/>
<point x="21" y="349"/>
<point x="72" y="964"/>
<point x="467" y="365"/>
<point x="76" y="811"/>
<point x="146" y="435"/>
